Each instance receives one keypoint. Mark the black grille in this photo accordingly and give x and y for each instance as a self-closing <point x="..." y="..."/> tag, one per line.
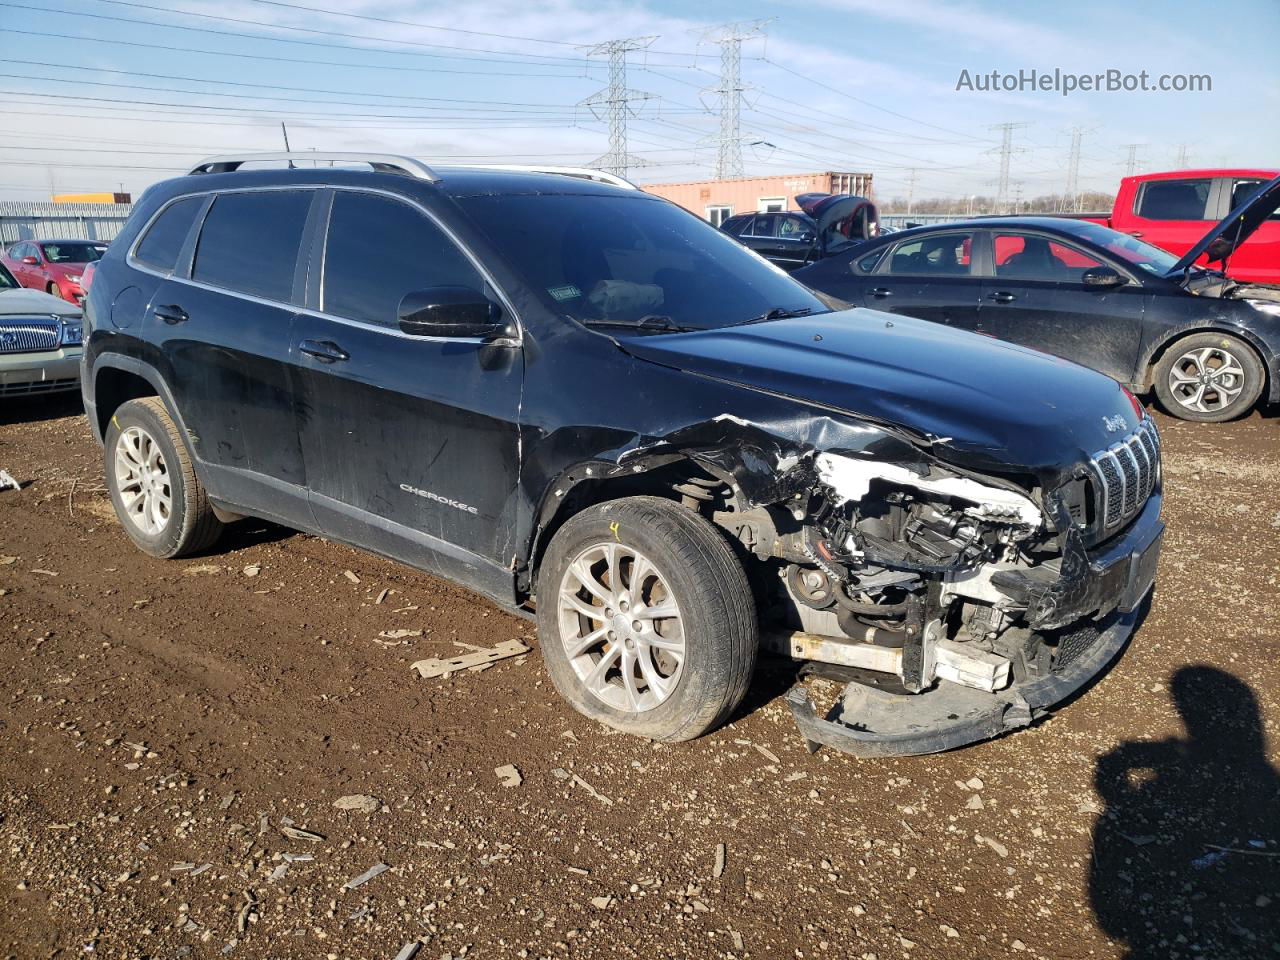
<point x="1073" y="645"/>
<point x="1128" y="472"/>
<point x="28" y="334"/>
<point x="39" y="386"/>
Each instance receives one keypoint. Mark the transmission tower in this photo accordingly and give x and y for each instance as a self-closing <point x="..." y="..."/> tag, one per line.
<point x="911" y="189"/>
<point x="615" y="101"/>
<point x="1006" y="150"/>
<point x="1071" y="194"/>
<point x="1131" y="161"/>
<point x="1183" y="162"/>
<point x="729" y="37"/>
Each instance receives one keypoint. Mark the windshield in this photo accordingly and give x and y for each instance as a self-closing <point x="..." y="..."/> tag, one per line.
<point x="628" y="261"/>
<point x="1131" y="250"/>
<point x="6" y="279"/>
<point x="74" y="252"/>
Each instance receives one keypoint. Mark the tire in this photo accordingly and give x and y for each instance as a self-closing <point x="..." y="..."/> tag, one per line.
<point x="1209" y="377"/>
<point x="146" y="458"/>
<point x="684" y="564"/>
<point x="53" y="291"/>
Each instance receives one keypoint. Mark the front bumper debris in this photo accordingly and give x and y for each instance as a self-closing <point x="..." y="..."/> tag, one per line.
<point x="867" y="722"/>
<point x="1111" y="587"/>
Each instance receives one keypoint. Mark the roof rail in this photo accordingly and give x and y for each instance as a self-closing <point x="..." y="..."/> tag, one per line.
<point x="582" y="173"/>
<point x="380" y="162"/>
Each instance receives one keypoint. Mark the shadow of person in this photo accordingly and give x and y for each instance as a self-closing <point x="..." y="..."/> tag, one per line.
<point x="1158" y="881"/>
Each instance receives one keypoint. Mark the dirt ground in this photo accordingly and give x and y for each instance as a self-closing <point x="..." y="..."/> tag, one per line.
<point x="163" y="722"/>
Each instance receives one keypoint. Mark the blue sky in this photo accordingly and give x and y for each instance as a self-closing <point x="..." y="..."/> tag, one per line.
<point x="125" y="95"/>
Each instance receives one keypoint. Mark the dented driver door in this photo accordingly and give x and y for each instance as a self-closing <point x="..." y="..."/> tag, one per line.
<point x="410" y="442"/>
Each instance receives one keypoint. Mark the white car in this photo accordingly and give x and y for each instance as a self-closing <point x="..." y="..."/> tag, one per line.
<point x="40" y="339"/>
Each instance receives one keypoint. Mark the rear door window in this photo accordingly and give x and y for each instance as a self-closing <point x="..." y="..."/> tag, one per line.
<point x="379" y="249"/>
<point x="766" y="225"/>
<point x="250" y="241"/>
<point x="1175" y="199"/>
<point x="795" y="228"/>
<point x="946" y="254"/>
<point x="163" y="242"/>
<point x="1242" y="190"/>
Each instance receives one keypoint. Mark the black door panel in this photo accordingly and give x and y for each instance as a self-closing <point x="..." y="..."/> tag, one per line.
<point x="1040" y="301"/>
<point x="410" y="443"/>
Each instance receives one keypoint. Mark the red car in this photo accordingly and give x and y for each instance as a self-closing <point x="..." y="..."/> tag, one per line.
<point x="54" y="266"/>
<point x="1175" y="210"/>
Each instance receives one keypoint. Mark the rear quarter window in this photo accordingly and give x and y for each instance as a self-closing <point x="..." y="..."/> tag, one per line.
<point x="250" y="242"/>
<point x="163" y="240"/>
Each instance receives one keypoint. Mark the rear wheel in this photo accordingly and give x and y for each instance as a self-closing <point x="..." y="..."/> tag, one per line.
<point x="158" y="499"/>
<point x="1209" y="377"/>
<point x="646" y="619"/>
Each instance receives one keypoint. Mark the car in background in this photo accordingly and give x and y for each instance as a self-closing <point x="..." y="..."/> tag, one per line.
<point x="1174" y="210"/>
<point x="40" y="339"/>
<point x="1090" y="294"/>
<point x="54" y="266"/>
<point x="825" y="224"/>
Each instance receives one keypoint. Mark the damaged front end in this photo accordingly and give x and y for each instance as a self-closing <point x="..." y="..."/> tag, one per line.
<point x="957" y="605"/>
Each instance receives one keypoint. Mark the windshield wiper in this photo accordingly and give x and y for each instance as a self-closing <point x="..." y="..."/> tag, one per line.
<point x="776" y="313"/>
<point x="653" y="321"/>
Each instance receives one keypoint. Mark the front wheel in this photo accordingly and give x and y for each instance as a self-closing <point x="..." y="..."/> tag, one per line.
<point x="646" y="620"/>
<point x="1209" y="377"/>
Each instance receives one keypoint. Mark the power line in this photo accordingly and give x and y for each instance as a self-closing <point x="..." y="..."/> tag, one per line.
<point x="268" y="86"/>
<point x="432" y="26"/>
<point x="281" y="26"/>
<point x="1131" y="160"/>
<point x="616" y="100"/>
<point x="264" y="111"/>
<point x="1005" y="150"/>
<point x="866" y="103"/>
<point x="729" y="37"/>
<point x="271" y="58"/>
<point x="476" y="106"/>
<point x="1072" y="191"/>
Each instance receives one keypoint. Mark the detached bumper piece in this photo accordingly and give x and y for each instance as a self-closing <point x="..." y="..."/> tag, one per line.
<point x="867" y="722"/>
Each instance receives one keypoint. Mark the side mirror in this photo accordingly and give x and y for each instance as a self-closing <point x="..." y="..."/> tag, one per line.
<point x="31" y="261"/>
<point x="449" y="312"/>
<point x="1102" y="277"/>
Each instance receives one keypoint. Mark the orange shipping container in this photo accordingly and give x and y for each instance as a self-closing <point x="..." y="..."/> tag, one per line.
<point x="92" y="198"/>
<point x="717" y="200"/>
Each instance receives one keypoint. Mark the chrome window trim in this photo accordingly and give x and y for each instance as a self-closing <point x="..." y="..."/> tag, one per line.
<point x="139" y="265"/>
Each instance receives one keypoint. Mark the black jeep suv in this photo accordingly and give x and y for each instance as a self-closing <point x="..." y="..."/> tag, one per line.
<point x="594" y="408"/>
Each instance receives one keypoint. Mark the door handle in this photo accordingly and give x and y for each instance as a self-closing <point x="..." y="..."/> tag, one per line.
<point x="171" y="314"/>
<point x="326" y="351"/>
<point x="881" y="292"/>
<point x="1002" y="297"/>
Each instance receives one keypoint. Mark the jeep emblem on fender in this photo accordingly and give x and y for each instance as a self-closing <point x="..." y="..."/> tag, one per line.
<point x="1113" y="424"/>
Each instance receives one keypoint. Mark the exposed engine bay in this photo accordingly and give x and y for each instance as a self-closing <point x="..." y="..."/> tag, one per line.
<point x="879" y="567"/>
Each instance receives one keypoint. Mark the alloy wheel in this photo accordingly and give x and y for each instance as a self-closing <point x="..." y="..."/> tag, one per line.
<point x="1206" y="379"/>
<point x="621" y="627"/>
<point x="142" y="479"/>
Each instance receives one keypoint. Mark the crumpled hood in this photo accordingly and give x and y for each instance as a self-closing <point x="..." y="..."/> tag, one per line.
<point x="998" y="405"/>
<point x="24" y="301"/>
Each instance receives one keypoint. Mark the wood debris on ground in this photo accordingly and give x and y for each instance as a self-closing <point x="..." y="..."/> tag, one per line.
<point x="438" y="667"/>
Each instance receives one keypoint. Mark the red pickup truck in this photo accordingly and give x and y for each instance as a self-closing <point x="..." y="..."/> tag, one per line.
<point x="1175" y="210"/>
